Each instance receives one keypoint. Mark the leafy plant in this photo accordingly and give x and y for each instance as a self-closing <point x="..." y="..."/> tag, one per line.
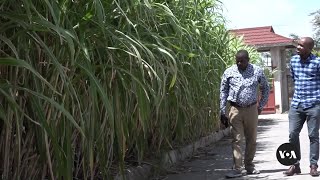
<point x="88" y="86"/>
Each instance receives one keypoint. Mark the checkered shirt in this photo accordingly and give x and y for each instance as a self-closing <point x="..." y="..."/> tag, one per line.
<point x="306" y="78"/>
<point x="242" y="87"/>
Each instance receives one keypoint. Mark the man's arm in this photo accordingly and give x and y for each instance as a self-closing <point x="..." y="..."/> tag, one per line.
<point x="224" y="92"/>
<point x="265" y="89"/>
<point x="291" y="70"/>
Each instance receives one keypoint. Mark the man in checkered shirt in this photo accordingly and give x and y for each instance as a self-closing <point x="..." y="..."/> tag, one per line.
<point x="305" y="106"/>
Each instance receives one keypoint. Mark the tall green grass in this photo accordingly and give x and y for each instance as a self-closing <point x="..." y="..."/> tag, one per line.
<point x="88" y="85"/>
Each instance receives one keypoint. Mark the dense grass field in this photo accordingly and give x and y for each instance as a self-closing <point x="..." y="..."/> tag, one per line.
<point x="87" y="85"/>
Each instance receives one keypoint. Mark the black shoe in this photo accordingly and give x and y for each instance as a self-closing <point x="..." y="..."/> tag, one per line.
<point x="252" y="171"/>
<point x="236" y="173"/>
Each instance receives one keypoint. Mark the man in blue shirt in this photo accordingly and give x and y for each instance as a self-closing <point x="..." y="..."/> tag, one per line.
<point x="239" y="87"/>
<point x="305" y="106"/>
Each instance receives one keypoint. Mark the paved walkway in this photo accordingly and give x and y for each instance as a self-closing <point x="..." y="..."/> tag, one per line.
<point x="214" y="161"/>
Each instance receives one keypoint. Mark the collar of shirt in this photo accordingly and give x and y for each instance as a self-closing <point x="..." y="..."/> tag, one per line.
<point x="310" y="57"/>
<point x="247" y="70"/>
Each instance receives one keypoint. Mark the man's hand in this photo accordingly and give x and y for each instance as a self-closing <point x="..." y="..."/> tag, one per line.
<point x="259" y="111"/>
<point x="224" y="120"/>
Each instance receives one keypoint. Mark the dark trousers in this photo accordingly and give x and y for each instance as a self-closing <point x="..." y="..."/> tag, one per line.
<point x="297" y="117"/>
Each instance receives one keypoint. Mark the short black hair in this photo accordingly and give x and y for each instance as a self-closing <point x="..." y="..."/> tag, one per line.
<point x="242" y="53"/>
<point x="309" y="41"/>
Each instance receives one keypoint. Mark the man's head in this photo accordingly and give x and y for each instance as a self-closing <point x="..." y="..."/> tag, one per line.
<point x="242" y="59"/>
<point x="305" y="46"/>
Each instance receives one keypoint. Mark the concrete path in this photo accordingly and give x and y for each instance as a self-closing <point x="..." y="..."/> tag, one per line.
<point x="214" y="161"/>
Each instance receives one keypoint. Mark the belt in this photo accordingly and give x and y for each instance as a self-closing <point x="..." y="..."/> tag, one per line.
<point x="245" y="106"/>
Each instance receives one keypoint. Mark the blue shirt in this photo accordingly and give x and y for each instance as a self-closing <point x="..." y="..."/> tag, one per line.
<point x="306" y="78"/>
<point x="242" y="87"/>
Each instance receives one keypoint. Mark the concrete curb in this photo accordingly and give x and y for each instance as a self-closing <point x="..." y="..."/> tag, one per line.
<point x="170" y="158"/>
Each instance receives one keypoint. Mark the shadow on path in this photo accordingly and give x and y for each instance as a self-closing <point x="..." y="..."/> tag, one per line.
<point x="215" y="160"/>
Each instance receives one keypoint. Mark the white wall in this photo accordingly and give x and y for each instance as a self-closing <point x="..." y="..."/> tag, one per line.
<point x="276" y="76"/>
<point x="277" y="93"/>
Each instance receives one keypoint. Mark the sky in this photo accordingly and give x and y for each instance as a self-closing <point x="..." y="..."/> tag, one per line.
<point x="285" y="16"/>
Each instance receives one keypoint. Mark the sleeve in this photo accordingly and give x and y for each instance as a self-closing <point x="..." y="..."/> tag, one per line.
<point x="291" y="70"/>
<point x="224" y="92"/>
<point x="265" y="90"/>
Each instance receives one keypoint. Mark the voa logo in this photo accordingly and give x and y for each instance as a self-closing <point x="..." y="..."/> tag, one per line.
<point x="287" y="154"/>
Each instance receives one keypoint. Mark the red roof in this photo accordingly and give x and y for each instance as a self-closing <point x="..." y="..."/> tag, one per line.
<point x="258" y="36"/>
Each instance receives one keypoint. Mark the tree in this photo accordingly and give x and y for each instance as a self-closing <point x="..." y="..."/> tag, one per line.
<point x="294" y="36"/>
<point x="316" y="26"/>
